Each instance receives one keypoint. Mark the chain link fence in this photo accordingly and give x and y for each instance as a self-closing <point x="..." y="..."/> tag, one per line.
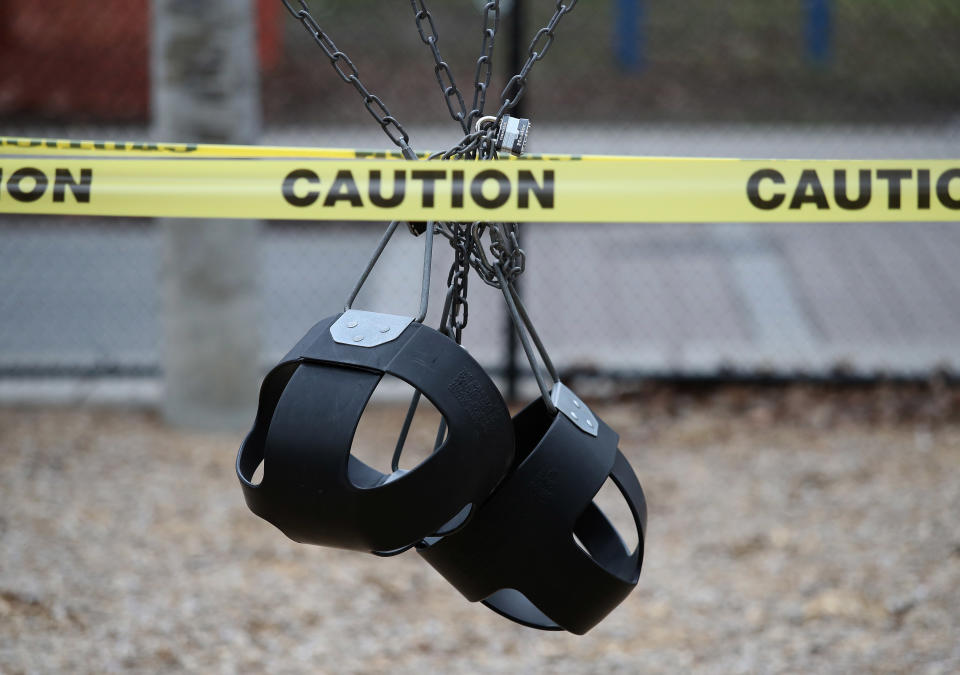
<point x="792" y="78"/>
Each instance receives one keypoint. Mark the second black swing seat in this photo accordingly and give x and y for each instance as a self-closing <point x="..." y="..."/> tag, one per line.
<point x="518" y="554"/>
<point x="540" y="551"/>
<point x="316" y="492"/>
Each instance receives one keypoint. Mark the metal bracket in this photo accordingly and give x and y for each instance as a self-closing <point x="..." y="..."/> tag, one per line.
<point x="368" y="329"/>
<point x="576" y="410"/>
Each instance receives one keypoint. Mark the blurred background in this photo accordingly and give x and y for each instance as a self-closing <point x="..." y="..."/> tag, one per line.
<point x="800" y="78"/>
<point x="786" y="392"/>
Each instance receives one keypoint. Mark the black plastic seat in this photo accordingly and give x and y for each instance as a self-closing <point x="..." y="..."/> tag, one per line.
<point x="310" y="406"/>
<point x="518" y="554"/>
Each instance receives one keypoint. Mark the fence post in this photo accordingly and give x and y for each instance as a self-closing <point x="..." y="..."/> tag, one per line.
<point x="515" y="60"/>
<point x="205" y="88"/>
<point x="630" y="30"/>
<point x="818" y="30"/>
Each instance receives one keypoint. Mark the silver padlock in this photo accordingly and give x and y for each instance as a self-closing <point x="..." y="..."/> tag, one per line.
<point x="512" y="135"/>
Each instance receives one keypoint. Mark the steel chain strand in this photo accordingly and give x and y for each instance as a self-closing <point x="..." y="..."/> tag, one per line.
<point x="480" y="141"/>
<point x="510" y="259"/>
<point x="504" y="245"/>
<point x="348" y="72"/>
<point x="515" y="88"/>
<point x="478" y="258"/>
<point x="484" y="69"/>
<point x="467" y="145"/>
<point x="461" y="288"/>
<point x="457" y="283"/>
<point x="506" y="251"/>
<point x="430" y="37"/>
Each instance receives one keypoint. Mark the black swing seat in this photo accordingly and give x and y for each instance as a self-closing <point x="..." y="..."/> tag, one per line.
<point x="310" y="406"/>
<point x="518" y="554"/>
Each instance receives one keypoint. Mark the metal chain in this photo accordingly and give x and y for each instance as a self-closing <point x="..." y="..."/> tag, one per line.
<point x="430" y="37"/>
<point x="509" y="260"/>
<point x="506" y="251"/>
<point x="348" y="72"/>
<point x="508" y="257"/>
<point x="509" y="97"/>
<point x="513" y="91"/>
<point x="469" y="145"/>
<point x="456" y="311"/>
<point x="484" y="69"/>
<point x="517" y="85"/>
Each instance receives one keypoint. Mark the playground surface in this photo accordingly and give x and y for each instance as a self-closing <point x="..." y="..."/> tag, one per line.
<point x="790" y="530"/>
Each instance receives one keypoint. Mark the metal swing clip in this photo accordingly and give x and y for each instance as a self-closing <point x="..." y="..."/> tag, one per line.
<point x="360" y="328"/>
<point x="557" y="397"/>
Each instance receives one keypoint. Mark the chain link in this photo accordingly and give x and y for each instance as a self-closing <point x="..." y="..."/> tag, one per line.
<point x="513" y="91"/>
<point x="483" y="71"/>
<point x="508" y="259"/>
<point x="348" y="72"/>
<point x="505" y="248"/>
<point x="457" y="308"/>
<point x="484" y="68"/>
<point x="429" y="36"/>
<point x="517" y="85"/>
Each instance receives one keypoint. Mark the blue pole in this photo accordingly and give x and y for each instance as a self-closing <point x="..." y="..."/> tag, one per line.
<point x="630" y="18"/>
<point x="818" y="30"/>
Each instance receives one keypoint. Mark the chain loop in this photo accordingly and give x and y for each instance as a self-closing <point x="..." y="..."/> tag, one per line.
<point x="507" y="260"/>
<point x="338" y="59"/>
<point x="535" y="50"/>
<point x="354" y="74"/>
<point x="517" y="85"/>
<point x="456" y="311"/>
<point x="484" y="69"/>
<point x="423" y="13"/>
<point x="505" y="248"/>
<point x="430" y="37"/>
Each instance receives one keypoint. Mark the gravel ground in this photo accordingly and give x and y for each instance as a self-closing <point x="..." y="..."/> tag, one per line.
<point x="790" y="531"/>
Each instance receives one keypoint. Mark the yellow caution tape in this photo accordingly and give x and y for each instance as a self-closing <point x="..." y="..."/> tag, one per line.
<point x="59" y="147"/>
<point x="601" y="190"/>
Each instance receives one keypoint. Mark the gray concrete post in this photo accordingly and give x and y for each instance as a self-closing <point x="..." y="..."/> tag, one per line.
<point x="205" y="87"/>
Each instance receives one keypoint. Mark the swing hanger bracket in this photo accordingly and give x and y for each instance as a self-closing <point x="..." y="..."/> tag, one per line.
<point x="573" y="408"/>
<point x="359" y="328"/>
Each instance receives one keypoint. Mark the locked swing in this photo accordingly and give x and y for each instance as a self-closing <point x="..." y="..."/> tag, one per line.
<point x="504" y="508"/>
<point x="314" y="489"/>
<point x="518" y="553"/>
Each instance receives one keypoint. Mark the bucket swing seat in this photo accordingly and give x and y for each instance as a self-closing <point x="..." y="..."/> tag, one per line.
<point x="519" y="554"/>
<point x="314" y="490"/>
